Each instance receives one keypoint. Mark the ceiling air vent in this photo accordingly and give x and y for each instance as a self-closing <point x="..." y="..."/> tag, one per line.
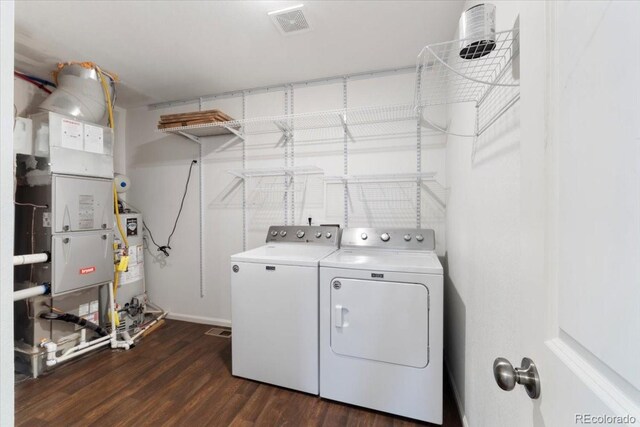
<point x="290" y="20"/>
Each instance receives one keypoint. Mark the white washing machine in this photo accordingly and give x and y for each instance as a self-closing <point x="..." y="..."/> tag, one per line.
<point x="381" y="322"/>
<point x="274" y="306"/>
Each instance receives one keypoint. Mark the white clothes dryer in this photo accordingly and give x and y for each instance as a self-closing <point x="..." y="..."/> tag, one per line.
<point x="381" y="322"/>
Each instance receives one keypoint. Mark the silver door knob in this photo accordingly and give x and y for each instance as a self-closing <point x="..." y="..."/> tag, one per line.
<point x="507" y="376"/>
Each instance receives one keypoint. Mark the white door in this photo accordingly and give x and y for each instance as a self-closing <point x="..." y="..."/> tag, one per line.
<point x="580" y="322"/>
<point x="543" y="227"/>
<point x="589" y="359"/>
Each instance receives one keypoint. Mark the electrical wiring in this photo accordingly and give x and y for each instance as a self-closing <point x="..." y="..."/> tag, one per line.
<point x="144" y="224"/>
<point x="33" y="82"/>
<point x="107" y="95"/>
<point x="37" y="79"/>
<point x="165" y="248"/>
<point x="184" y="195"/>
<point x="118" y="220"/>
<point x="151" y="236"/>
<point x="123" y="234"/>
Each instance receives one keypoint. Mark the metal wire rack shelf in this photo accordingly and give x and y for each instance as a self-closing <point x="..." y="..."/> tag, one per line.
<point x="269" y="172"/>
<point x="339" y="118"/>
<point x="443" y="77"/>
<point x="378" y="178"/>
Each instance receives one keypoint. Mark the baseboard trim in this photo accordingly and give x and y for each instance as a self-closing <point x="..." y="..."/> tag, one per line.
<point x="200" y="319"/>
<point x="456" y="396"/>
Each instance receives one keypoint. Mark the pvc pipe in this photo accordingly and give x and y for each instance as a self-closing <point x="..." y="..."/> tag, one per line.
<point x="80" y="352"/>
<point x="30" y="292"/>
<point x="30" y="259"/>
<point x="86" y="344"/>
<point x="51" y="349"/>
<point x="112" y="312"/>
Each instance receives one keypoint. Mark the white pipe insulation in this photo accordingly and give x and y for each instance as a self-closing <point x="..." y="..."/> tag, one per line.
<point x="30" y="292"/>
<point x="30" y="259"/>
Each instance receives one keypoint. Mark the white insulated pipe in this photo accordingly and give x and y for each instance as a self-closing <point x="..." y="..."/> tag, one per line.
<point x="30" y="259"/>
<point x="86" y="344"/>
<point x="92" y="346"/>
<point x="85" y="350"/>
<point x="30" y="292"/>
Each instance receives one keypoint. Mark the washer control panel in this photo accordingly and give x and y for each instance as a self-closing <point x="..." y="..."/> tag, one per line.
<point x="389" y="238"/>
<point x="321" y="235"/>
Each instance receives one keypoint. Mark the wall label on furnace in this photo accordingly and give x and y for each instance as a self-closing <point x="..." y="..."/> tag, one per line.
<point x="377" y="275"/>
<point x="88" y="270"/>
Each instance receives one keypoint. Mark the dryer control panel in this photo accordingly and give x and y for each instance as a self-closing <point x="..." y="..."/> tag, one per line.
<point x="328" y="235"/>
<point x="409" y="239"/>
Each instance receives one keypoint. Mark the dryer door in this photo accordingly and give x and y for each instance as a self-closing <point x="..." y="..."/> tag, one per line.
<point x="381" y="321"/>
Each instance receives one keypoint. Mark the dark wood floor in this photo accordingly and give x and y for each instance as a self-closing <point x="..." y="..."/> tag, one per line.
<point x="179" y="376"/>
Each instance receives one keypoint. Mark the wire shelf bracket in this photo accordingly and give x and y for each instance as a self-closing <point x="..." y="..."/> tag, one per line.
<point x="195" y="133"/>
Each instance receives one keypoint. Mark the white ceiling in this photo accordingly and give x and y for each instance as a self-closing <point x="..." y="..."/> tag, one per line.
<point x="169" y="50"/>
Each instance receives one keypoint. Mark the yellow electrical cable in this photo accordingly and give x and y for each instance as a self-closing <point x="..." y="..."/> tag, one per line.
<point x="107" y="96"/>
<point x="124" y="259"/>
<point x="115" y="201"/>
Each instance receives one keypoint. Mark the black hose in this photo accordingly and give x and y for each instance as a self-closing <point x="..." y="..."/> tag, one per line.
<point x="72" y="318"/>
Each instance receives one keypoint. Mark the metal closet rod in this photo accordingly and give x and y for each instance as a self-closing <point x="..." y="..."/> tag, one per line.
<point x="279" y="87"/>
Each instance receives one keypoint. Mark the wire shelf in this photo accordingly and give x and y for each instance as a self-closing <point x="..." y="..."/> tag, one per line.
<point x="287" y="123"/>
<point x="443" y="77"/>
<point x="266" y="172"/>
<point x="391" y="178"/>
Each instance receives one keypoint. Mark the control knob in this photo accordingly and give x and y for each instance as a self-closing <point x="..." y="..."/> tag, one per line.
<point x="283" y="233"/>
<point x="318" y="235"/>
<point x="274" y="233"/>
<point x="385" y="237"/>
<point x="364" y="236"/>
<point x="407" y="237"/>
<point x="419" y="237"/>
<point x="328" y="235"/>
<point x="300" y="234"/>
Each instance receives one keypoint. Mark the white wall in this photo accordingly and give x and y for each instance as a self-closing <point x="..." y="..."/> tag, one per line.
<point x="6" y="213"/>
<point x="157" y="164"/>
<point x="495" y="235"/>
